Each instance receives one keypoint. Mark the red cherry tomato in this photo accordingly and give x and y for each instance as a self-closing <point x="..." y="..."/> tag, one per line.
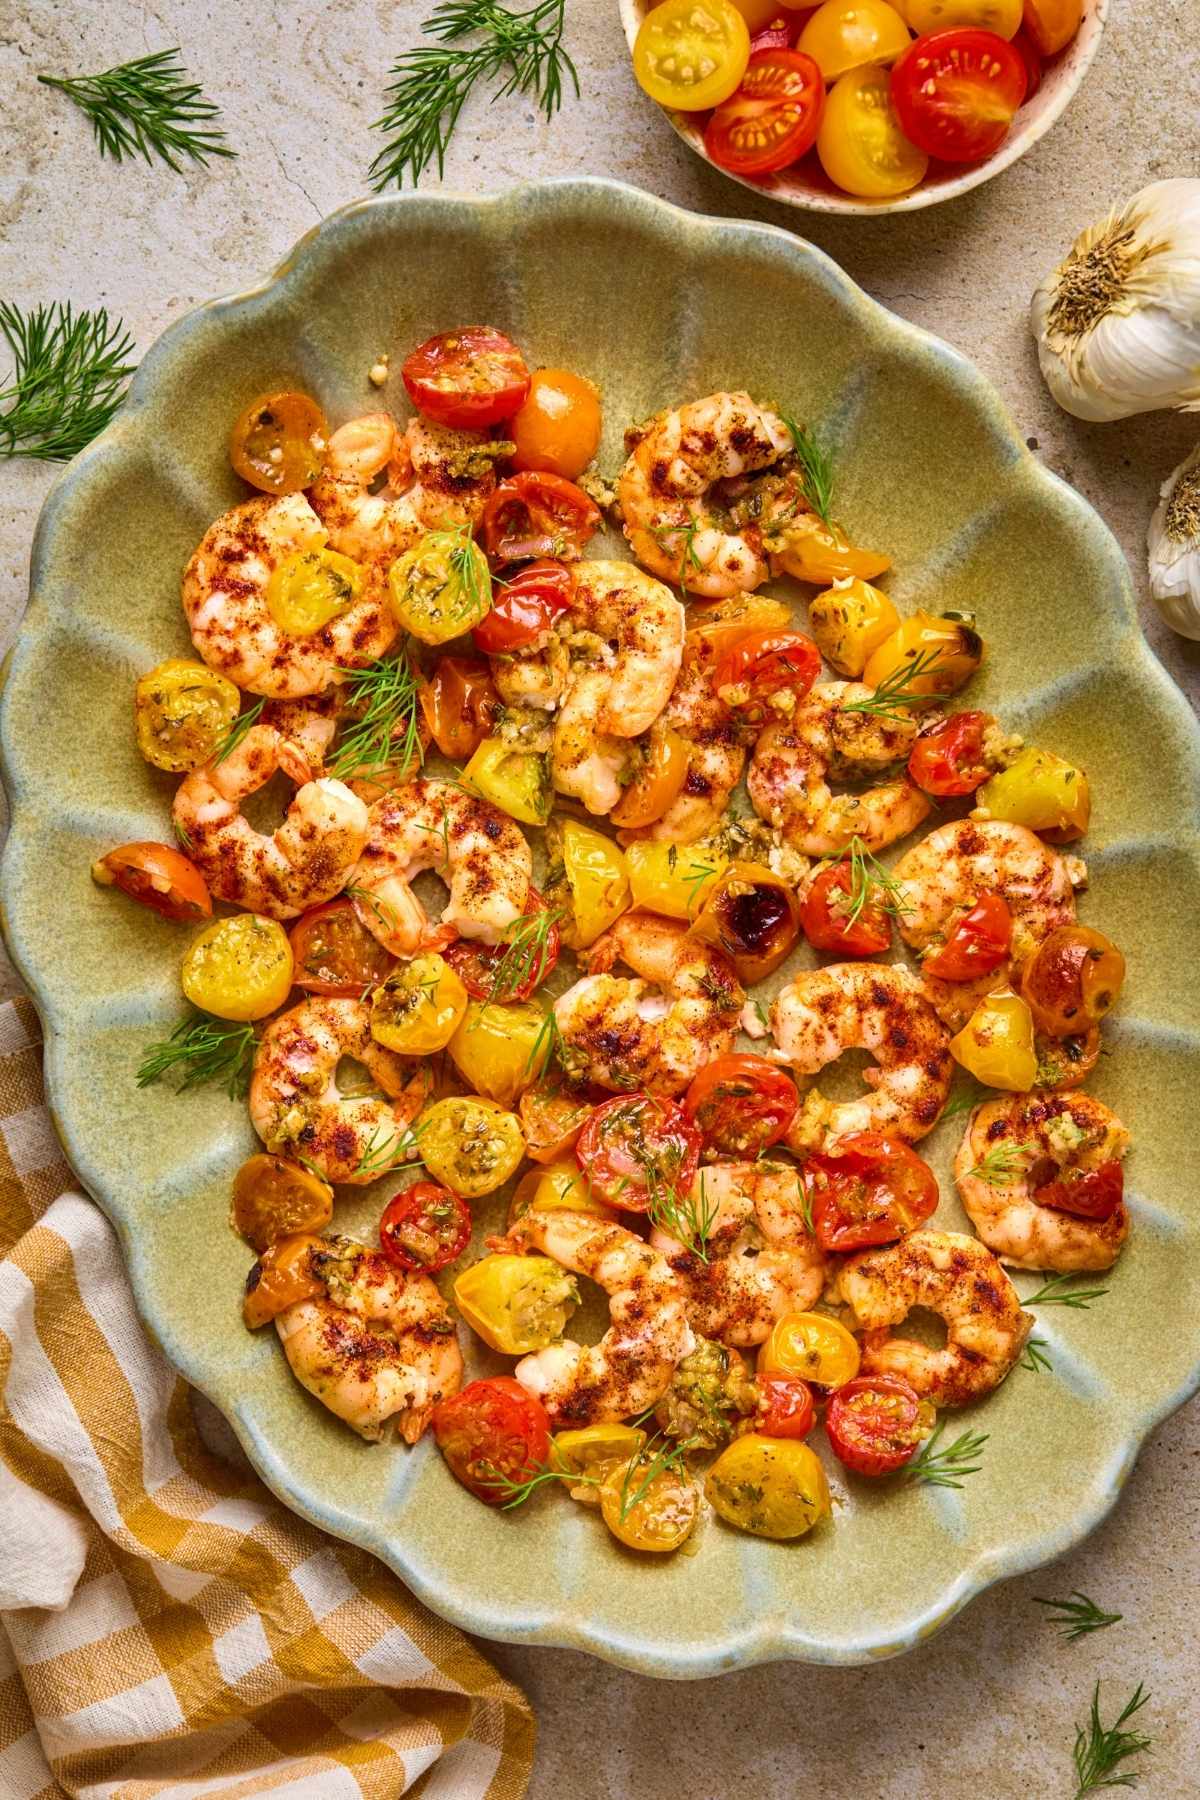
<point x="470" y="378"/>
<point x="773" y="118"/>
<point x="767" y="662"/>
<point x="1025" y="47"/>
<point x="785" y="1407"/>
<point x="956" y="92"/>
<point x="874" y="1424"/>
<point x="979" y="943"/>
<point x="948" y="759"/>
<point x="776" y="34"/>
<point x="741" y="1104"/>
<point x="524" y="606"/>
<point x="828" y="915"/>
<point x="504" y="972"/>
<point x="635" y="1144"/>
<point x="869" y="1189"/>
<point x="159" y="877"/>
<point x="334" y="953"/>
<point x="425" y="1227"/>
<point x="533" y="514"/>
<point x="493" y="1435"/>
<point x="1087" y="1193"/>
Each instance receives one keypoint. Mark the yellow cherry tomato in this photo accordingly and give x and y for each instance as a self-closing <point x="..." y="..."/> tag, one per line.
<point x="1041" y="791"/>
<point x="753" y="915"/>
<point x="588" y="881"/>
<point x="848" y="623"/>
<point x="558" y="426"/>
<point x="1001" y="16"/>
<point x="418" y="1008"/>
<point x="592" y="1453"/>
<point x="558" y="1187"/>
<point x="274" y="1198"/>
<point x="657" y="779"/>
<point x="516" y="1303"/>
<point x="711" y="630"/>
<point x="278" y="444"/>
<point x="441" y="587"/>
<point x="849" y="34"/>
<point x="691" y="54"/>
<point x="283" y="1275"/>
<point x="812" y="549"/>
<point x="239" y="968"/>
<point x="773" y="1487"/>
<point x="181" y="711"/>
<point x="470" y="1145"/>
<point x="812" y="1346"/>
<point x="649" y="1511"/>
<point x="927" y="655"/>
<point x="500" y="1049"/>
<point x="758" y="13"/>
<point x="517" y="781"/>
<point x="308" y="589"/>
<point x="863" y="151"/>
<point x="996" y="1043"/>
<point x="673" y="879"/>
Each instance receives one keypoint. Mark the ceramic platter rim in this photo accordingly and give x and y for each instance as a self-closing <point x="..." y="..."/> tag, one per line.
<point x="541" y="1619"/>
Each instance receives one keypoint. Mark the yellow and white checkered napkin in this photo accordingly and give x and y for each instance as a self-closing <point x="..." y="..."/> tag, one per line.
<point x="167" y="1629"/>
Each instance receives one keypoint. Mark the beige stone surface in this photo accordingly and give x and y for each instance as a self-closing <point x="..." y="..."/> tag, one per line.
<point x="987" y="1710"/>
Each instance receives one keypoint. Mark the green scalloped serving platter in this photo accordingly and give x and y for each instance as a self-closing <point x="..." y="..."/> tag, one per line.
<point x="656" y="305"/>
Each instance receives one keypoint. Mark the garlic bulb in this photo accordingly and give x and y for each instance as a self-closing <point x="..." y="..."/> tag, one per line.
<point x="1175" y="549"/>
<point x="1118" y="323"/>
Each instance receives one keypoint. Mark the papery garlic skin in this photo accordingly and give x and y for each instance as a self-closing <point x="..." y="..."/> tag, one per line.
<point x="1118" y="323"/>
<point x="1175" y="549"/>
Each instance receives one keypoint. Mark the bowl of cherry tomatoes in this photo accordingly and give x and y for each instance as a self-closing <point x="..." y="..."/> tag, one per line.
<point x="862" y="106"/>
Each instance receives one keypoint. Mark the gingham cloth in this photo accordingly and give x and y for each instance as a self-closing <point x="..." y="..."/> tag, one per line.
<point x="167" y="1629"/>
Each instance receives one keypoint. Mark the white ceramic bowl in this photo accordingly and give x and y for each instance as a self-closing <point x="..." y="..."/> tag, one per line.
<point x="807" y="186"/>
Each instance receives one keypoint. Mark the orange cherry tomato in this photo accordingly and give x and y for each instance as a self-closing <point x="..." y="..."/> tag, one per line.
<point x="874" y="1424"/>
<point x="772" y="120"/>
<point x="1052" y="24"/>
<point x="741" y="1104"/>
<point x="1072" y="979"/>
<point x="160" y="877"/>
<point x="836" y="918"/>
<point x="274" y="1198"/>
<point x="763" y="664"/>
<point x="425" y="1227"/>
<point x="979" y="943"/>
<point x="524" y="606"/>
<point x="470" y="378"/>
<point x="868" y="1189"/>
<point x="493" y="1434"/>
<point x="658" y="782"/>
<point x="278" y="443"/>
<point x="948" y="759"/>
<point x="558" y="426"/>
<point x="460" y="705"/>
<point x="533" y="514"/>
<point x="753" y="915"/>
<point x="334" y="953"/>
<point x="553" y="1112"/>
<point x="785" y="1408"/>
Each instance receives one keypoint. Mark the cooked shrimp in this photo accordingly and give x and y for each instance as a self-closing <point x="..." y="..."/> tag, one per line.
<point x="630" y="1368"/>
<point x="676" y="524"/>
<point x="380" y="1349"/>
<point x="444" y="476"/>
<point x="954" y="1276"/>
<point x="620" y="1034"/>
<point x="1048" y="1133"/>
<point x="225" y="588"/>
<point x="762" y="1262"/>
<point x="788" y="778"/>
<point x="297" y="1107"/>
<point x="716" y="757"/>
<point x="304" y="863"/>
<point x="477" y="850"/>
<point x="307" y="727"/>
<point x="864" y="1006"/>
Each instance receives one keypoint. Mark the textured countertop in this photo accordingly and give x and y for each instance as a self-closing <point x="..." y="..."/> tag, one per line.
<point x="987" y="1710"/>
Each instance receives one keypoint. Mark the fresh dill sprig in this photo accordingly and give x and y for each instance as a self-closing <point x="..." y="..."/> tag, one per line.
<point x="1035" y="1358"/>
<point x="181" y="832"/>
<point x="68" y="378"/>
<point x="518" y="52"/>
<point x="540" y="1473"/>
<point x="468" y="567"/>
<point x="894" y="692"/>
<point x="384" y="914"/>
<point x="549" y="1045"/>
<point x="238" y="730"/>
<point x="1004" y="1163"/>
<point x="870" y="884"/>
<point x="966" y="1101"/>
<point x="816" y="469"/>
<point x="1057" y="1292"/>
<point x="688" y="557"/>
<point x="202" y="1050"/>
<point x="762" y="1015"/>
<point x="527" y="957"/>
<point x="655" y="1465"/>
<point x="1077" y="1615"/>
<point x="385" y="697"/>
<point x="694" y="882"/>
<point x="146" y="108"/>
<point x="1100" y="1748"/>
<point x="688" y="1217"/>
<point x="946" y="1468"/>
<point x="378" y="1157"/>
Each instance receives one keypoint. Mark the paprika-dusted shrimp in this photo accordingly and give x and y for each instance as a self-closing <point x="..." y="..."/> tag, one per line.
<point x="788" y="778"/>
<point x="307" y="727"/>
<point x="631" y="1367"/>
<point x="305" y="862"/>
<point x="379" y="1348"/>
<point x="297" y="1108"/>
<point x="479" y="852"/>
<point x="674" y="522"/>
<point x="620" y="1034"/>
<point x="226" y="599"/>
<point x="864" y="1006"/>
<point x="445" y="476"/>
<point x="761" y="1260"/>
<point x="949" y="1274"/>
<point x="1048" y="1133"/>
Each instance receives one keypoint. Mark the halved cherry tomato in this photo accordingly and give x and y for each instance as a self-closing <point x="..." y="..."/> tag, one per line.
<point x="691" y="57"/>
<point x="514" y="970"/>
<point x="553" y="1112"/>
<point x="813" y="1346"/>
<point x="868" y="1189"/>
<point x="1052" y="24"/>
<point x="874" y="1424"/>
<point x="558" y="427"/>
<point x="425" y="1227"/>
<point x="829" y="918"/>
<point x="278" y="443"/>
<point x="160" y="877"/>
<point x="1085" y="1193"/>
<point x="469" y="378"/>
<point x="785" y="1407"/>
<point x="753" y="915"/>
<point x="533" y="514"/>
<point x="460" y="705"/>
<point x="1072" y="979"/>
<point x="493" y="1434"/>
<point x="763" y="664"/>
<point x="334" y="953"/>
<point x="524" y="606"/>
<point x="956" y="93"/>
<point x="274" y="1198"/>
<point x="741" y="1104"/>
<point x="850" y="34"/>
<point x="979" y="943"/>
<point x="772" y="120"/>
<point x="863" y="151"/>
<point x="657" y="781"/>
<point x="949" y="759"/>
<point x="635" y="1142"/>
<point x="1024" y="46"/>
